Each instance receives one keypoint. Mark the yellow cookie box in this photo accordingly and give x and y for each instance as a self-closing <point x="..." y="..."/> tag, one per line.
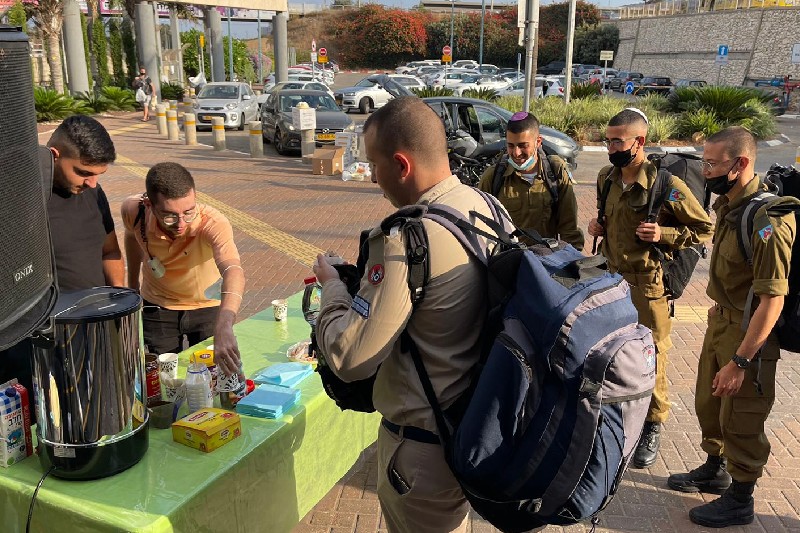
<point x="207" y="429"/>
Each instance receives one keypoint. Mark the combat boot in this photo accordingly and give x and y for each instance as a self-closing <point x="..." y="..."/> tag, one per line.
<point x="647" y="449"/>
<point x="733" y="508"/>
<point x="711" y="477"/>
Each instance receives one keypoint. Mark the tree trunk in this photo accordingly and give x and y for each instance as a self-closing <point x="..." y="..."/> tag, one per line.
<point x="54" y="61"/>
<point x="92" y="59"/>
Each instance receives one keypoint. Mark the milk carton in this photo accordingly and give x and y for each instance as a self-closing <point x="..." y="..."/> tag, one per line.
<point x="15" y="424"/>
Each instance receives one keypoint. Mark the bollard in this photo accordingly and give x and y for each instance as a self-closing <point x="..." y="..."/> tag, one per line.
<point x="161" y="115"/>
<point x="256" y="140"/>
<point x="173" y="105"/>
<point x="307" y="145"/>
<point x="797" y="158"/>
<point x="218" y="130"/>
<point x="172" y="125"/>
<point x="190" y="128"/>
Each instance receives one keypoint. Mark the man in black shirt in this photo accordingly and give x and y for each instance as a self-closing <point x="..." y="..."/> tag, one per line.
<point x="86" y="249"/>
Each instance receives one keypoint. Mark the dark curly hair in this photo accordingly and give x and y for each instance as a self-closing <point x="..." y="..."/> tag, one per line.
<point x="82" y="137"/>
<point x="169" y="180"/>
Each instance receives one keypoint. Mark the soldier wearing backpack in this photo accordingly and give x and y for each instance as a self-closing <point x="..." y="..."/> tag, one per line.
<point x="630" y="238"/>
<point x="359" y="335"/>
<point x="535" y="188"/>
<point x="736" y="372"/>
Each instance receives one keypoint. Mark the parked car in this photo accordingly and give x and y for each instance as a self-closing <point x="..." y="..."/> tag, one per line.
<point x="466" y="63"/>
<point x="487" y="122"/>
<point x="234" y="102"/>
<point x="450" y="77"/>
<point x="689" y="83"/>
<point x="480" y="82"/>
<point x="582" y="69"/>
<point x="554" y="88"/>
<point x="310" y="85"/>
<point x="366" y="95"/>
<point x="553" y="67"/>
<point x="276" y="119"/>
<point x="413" y="65"/>
<point x="412" y="82"/>
<point x="653" y="85"/>
<point x="488" y="69"/>
<point x="623" y="77"/>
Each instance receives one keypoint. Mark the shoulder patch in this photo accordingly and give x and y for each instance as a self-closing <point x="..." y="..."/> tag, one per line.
<point x="765" y="233"/>
<point x="360" y="306"/>
<point x="676" y="195"/>
<point x="376" y="274"/>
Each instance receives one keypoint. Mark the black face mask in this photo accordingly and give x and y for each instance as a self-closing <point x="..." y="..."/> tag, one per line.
<point x="622" y="158"/>
<point x="720" y="184"/>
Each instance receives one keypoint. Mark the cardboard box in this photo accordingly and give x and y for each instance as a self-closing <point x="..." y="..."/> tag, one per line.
<point x="348" y="141"/>
<point x="15" y="424"/>
<point x="304" y="118"/>
<point x="207" y="429"/>
<point x="327" y="161"/>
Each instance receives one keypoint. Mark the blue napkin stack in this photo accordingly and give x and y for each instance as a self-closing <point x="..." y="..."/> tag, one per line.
<point x="284" y="374"/>
<point x="268" y="401"/>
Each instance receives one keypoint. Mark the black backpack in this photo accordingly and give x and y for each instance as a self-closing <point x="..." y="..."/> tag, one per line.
<point x="550" y="180"/>
<point x="678" y="270"/>
<point x="783" y="183"/>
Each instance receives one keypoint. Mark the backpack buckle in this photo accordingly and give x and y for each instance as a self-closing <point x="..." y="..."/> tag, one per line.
<point x="589" y="387"/>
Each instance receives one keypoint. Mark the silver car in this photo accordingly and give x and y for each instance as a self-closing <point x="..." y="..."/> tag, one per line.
<point x="234" y="102"/>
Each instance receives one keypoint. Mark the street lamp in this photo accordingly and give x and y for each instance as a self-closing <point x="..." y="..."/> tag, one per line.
<point x="480" y="48"/>
<point x="452" y="50"/>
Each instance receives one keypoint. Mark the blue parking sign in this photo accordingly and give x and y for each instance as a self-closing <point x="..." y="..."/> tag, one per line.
<point x="629" y="87"/>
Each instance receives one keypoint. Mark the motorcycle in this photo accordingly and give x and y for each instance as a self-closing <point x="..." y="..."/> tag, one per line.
<point x="468" y="159"/>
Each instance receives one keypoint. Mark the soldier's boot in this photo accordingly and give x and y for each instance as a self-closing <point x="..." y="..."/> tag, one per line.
<point x="711" y="477"/>
<point x="733" y="508"/>
<point x="647" y="449"/>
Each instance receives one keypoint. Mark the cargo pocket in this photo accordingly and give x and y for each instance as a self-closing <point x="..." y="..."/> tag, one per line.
<point x="399" y="481"/>
<point x="651" y="284"/>
<point x="748" y="415"/>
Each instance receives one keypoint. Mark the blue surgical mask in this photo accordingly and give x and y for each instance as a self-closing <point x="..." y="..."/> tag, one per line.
<point x="524" y="167"/>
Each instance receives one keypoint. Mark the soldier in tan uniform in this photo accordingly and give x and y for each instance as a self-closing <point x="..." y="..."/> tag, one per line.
<point x="525" y="193"/>
<point x="734" y="363"/>
<point x="628" y="245"/>
<point x="405" y="142"/>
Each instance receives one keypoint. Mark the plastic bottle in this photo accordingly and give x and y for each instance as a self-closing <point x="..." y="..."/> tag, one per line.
<point x="312" y="299"/>
<point x="198" y="387"/>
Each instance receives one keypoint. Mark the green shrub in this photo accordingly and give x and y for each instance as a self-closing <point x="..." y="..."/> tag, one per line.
<point x="427" y="92"/>
<point x="585" y="89"/>
<point x="512" y="103"/>
<point x="653" y="103"/>
<point x="172" y="91"/>
<point x="94" y="103"/>
<point x="662" y="127"/>
<point x="727" y="103"/>
<point x="701" y="120"/>
<point x="483" y="93"/>
<point x="119" y="99"/>
<point x="762" y="124"/>
<point x="51" y="105"/>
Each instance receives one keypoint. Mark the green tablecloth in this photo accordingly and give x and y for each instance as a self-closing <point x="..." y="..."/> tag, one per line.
<point x="266" y="480"/>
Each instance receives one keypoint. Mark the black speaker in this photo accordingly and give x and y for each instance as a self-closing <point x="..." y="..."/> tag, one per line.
<point x="28" y="288"/>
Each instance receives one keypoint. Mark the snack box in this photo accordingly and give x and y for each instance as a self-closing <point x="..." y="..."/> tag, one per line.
<point x="15" y="424"/>
<point x="207" y="429"/>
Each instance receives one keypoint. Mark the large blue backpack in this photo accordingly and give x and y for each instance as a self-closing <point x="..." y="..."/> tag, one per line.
<point x="559" y="398"/>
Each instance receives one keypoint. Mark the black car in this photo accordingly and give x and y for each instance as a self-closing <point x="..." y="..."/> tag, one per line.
<point x="276" y="118"/>
<point x="486" y="123"/>
<point x="653" y="85"/>
<point x="553" y="67"/>
<point x="623" y="77"/>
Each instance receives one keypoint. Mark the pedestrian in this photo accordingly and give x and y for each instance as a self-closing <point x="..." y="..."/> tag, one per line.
<point x="735" y="386"/>
<point x="629" y="246"/>
<point x="186" y="247"/>
<point x="85" y="245"/>
<point x="535" y="188"/>
<point x="407" y="147"/>
<point x="145" y="83"/>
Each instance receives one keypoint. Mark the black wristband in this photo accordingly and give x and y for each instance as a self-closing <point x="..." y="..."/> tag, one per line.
<point x="741" y="362"/>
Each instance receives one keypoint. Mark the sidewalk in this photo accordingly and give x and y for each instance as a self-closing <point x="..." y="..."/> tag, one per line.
<point x="283" y="216"/>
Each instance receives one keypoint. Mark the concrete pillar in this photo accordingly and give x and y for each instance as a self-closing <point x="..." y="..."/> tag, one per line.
<point x="161" y="116"/>
<point x="176" y="42"/>
<point x="256" y="140"/>
<point x="217" y="50"/>
<point x="73" y="48"/>
<point x="159" y="63"/>
<point x="307" y="145"/>
<point x="173" y="105"/>
<point x="218" y="131"/>
<point x="190" y="129"/>
<point x="279" y="33"/>
<point x="172" y="125"/>
<point x="146" y="40"/>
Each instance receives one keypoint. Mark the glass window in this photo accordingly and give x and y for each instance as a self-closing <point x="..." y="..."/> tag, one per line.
<point x="221" y="92"/>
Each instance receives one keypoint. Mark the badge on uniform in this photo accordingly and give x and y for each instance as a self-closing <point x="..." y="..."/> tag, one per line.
<point x="765" y="233"/>
<point x="676" y="196"/>
<point x="360" y="306"/>
<point x="376" y="274"/>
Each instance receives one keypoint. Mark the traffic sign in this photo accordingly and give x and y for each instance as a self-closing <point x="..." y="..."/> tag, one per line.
<point x="629" y="88"/>
<point x="323" y="52"/>
<point x="446" y="50"/>
<point x="606" y="55"/>
<point x="313" y="57"/>
<point x="447" y="59"/>
<point x="313" y="45"/>
<point x="722" y="55"/>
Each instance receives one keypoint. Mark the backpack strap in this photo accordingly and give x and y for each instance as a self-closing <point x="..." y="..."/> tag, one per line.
<point x="549" y="177"/>
<point x="658" y="194"/>
<point x="601" y="211"/>
<point x="499" y="175"/>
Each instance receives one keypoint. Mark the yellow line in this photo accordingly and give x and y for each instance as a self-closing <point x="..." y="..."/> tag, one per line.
<point x="134" y="127"/>
<point x="691" y="313"/>
<point x="295" y="248"/>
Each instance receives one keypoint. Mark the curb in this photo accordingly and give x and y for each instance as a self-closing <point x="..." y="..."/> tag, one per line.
<point x="782" y="139"/>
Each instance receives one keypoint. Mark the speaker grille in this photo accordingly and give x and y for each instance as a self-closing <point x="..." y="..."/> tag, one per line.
<point x="26" y="267"/>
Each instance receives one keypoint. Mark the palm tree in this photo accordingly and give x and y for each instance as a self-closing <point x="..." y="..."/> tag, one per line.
<point x="93" y="12"/>
<point x="48" y="15"/>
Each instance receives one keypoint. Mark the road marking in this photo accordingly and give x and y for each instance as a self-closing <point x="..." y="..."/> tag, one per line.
<point x="691" y="313"/>
<point x="299" y="250"/>
<point x="124" y="129"/>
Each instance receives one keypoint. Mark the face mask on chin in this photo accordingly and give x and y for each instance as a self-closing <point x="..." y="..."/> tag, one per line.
<point x="622" y="158"/>
<point x="524" y="167"/>
<point x="721" y="184"/>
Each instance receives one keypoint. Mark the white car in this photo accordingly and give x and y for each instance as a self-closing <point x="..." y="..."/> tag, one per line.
<point x="303" y="76"/>
<point x="413" y="65"/>
<point x="450" y="77"/>
<point x="235" y="102"/>
<point x="517" y="88"/>
<point x="366" y="95"/>
<point x="466" y="63"/>
<point x="308" y="85"/>
<point x="481" y="82"/>
<point x="411" y="82"/>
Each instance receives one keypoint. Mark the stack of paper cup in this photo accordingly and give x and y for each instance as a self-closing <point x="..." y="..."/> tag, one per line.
<point x="168" y="372"/>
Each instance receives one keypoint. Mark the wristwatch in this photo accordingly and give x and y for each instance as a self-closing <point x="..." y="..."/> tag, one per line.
<point x="741" y="362"/>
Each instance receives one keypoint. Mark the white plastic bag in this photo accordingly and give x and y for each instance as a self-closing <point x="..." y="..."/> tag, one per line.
<point x="357" y="171"/>
<point x="140" y="96"/>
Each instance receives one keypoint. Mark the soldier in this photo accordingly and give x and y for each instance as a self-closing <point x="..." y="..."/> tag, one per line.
<point x="629" y="242"/>
<point x="406" y="144"/>
<point x="736" y="373"/>
<point x="536" y="189"/>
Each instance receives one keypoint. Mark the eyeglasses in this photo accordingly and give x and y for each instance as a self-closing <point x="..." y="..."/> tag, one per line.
<point x="616" y="143"/>
<point x="172" y="220"/>
<point x="707" y="165"/>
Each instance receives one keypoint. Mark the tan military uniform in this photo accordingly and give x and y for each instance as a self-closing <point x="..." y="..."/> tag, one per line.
<point x="733" y="426"/>
<point x="359" y="334"/>
<point x="531" y="204"/>
<point x="683" y="223"/>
